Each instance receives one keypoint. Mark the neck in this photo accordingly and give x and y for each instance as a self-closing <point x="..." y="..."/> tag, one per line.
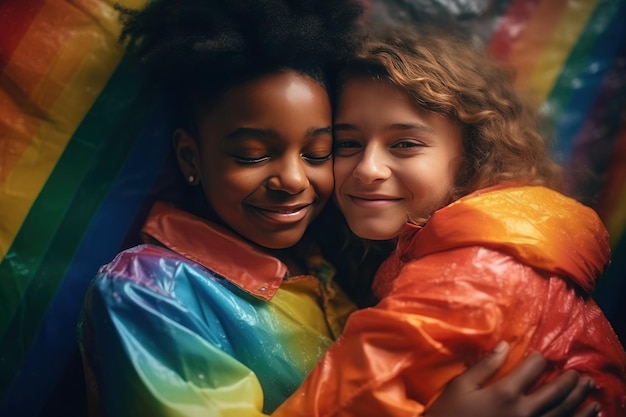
<point x="293" y="257"/>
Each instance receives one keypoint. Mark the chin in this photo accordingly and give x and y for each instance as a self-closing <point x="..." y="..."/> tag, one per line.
<point x="279" y="246"/>
<point x="281" y="242"/>
<point x="374" y="234"/>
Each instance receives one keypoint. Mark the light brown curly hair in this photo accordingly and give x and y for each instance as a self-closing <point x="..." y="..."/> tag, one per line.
<point x="448" y="75"/>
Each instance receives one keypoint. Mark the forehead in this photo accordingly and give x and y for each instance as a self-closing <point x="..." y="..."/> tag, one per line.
<point x="375" y="104"/>
<point x="286" y="107"/>
<point x="284" y="92"/>
<point x="373" y="98"/>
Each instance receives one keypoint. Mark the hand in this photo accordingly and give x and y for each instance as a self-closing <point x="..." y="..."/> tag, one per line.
<point x="464" y="396"/>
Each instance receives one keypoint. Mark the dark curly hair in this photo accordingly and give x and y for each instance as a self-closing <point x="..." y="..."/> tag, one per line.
<point x="197" y="49"/>
<point x="446" y="74"/>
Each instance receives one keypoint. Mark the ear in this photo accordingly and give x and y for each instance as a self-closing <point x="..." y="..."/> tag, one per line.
<point x="188" y="156"/>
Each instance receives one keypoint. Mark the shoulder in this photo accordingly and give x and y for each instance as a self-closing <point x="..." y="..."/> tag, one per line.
<point x="464" y="276"/>
<point x="146" y="256"/>
<point x="149" y="266"/>
<point x="539" y="226"/>
<point x="462" y="262"/>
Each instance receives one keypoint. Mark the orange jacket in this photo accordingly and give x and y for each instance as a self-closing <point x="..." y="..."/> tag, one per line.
<point x="515" y="264"/>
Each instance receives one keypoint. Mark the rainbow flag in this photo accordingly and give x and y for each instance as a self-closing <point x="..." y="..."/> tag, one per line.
<point x="85" y="150"/>
<point x="571" y="58"/>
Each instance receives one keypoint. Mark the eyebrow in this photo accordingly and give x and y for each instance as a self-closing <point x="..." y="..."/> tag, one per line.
<point x="394" y="126"/>
<point x="321" y="131"/>
<point x="247" y="132"/>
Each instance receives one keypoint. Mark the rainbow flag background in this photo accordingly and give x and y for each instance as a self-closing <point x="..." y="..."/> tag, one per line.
<point x="84" y="151"/>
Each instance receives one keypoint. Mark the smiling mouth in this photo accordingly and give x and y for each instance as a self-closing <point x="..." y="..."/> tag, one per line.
<point x="284" y="215"/>
<point x="373" y="201"/>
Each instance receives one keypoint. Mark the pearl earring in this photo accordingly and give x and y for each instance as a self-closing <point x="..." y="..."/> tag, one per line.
<point x="191" y="178"/>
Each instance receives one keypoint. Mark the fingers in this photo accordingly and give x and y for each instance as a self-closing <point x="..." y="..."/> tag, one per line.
<point x="526" y="374"/>
<point x="571" y="399"/>
<point x="555" y="392"/>
<point x="480" y="372"/>
<point x="590" y="410"/>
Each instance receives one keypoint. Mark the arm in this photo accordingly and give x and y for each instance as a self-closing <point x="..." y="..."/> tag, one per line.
<point x="443" y="312"/>
<point x="153" y="355"/>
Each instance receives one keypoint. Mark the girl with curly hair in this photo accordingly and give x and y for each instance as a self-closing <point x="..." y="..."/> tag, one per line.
<point x="435" y="150"/>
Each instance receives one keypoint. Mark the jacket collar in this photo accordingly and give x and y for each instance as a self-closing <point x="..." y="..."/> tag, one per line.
<point x="215" y="248"/>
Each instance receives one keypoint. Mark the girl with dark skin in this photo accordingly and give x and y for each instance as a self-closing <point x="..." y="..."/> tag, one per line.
<point x="228" y="304"/>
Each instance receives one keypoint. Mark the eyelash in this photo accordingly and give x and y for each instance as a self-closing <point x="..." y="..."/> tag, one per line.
<point x="411" y="144"/>
<point x="400" y="144"/>
<point x="311" y="159"/>
<point x="318" y="160"/>
<point x="348" y="147"/>
<point x="345" y="143"/>
<point x="250" y="161"/>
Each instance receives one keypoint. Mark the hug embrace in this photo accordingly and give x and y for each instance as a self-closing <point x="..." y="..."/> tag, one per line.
<point x="230" y="302"/>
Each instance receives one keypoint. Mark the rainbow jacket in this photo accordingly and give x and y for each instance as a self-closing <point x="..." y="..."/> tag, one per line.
<point x="200" y="323"/>
<point x="515" y="264"/>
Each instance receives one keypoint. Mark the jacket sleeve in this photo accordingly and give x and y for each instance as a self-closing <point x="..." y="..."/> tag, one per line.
<point x="148" y="354"/>
<point x="443" y="312"/>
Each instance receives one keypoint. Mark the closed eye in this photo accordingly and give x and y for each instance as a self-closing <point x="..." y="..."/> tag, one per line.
<point x="250" y="160"/>
<point x="318" y="160"/>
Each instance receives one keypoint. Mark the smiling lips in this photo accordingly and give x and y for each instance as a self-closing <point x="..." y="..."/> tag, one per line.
<point x="284" y="214"/>
<point x="372" y="200"/>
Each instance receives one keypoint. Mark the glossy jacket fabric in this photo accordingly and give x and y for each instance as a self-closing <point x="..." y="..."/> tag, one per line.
<point x="513" y="264"/>
<point x="200" y="323"/>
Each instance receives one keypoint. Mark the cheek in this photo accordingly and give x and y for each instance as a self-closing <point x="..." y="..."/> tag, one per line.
<point x="447" y="173"/>
<point x="341" y="170"/>
<point x="430" y="189"/>
<point x="227" y="185"/>
<point x="323" y="181"/>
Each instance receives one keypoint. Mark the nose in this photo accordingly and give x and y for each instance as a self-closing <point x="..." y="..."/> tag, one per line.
<point x="290" y="175"/>
<point x="372" y="167"/>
